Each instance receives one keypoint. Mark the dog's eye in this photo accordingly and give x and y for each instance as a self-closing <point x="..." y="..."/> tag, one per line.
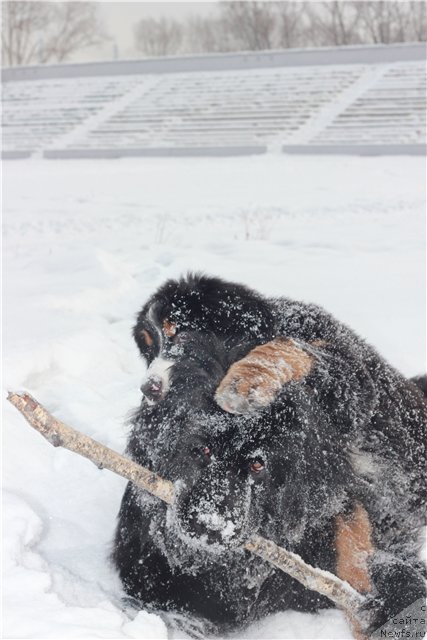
<point x="257" y="466"/>
<point x="169" y="328"/>
<point x="147" y="337"/>
<point x="202" y="455"/>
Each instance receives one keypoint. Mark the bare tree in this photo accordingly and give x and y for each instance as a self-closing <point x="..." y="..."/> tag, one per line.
<point x="417" y="21"/>
<point x="47" y="31"/>
<point x="252" y="25"/>
<point x="291" y="23"/>
<point x="387" y="22"/>
<point x="40" y="32"/>
<point x="334" y="23"/>
<point x="207" y="35"/>
<point x="158" y="37"/>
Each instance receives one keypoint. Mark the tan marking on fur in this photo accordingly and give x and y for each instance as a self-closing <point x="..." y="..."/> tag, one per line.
<point x="147" y="338"/>
<point x="169" y="328"/>
<point x="353" y="542"/>
<point x="266" y="369"/>
<point x="318" y="343"/>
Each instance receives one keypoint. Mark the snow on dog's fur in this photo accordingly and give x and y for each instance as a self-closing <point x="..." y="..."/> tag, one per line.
<point x="314" y="442"/>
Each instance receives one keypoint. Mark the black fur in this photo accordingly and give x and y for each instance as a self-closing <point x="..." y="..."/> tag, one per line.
<point x="352" y="431"/>
<point x="232" y="312"/>
<point x="421" y="382"/>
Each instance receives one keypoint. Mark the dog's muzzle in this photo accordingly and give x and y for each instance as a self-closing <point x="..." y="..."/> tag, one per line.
<point x="152" y="389"/>
<point x="156" y="385"/>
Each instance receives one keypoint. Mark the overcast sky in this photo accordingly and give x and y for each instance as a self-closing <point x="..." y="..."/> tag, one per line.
<point x="120" y="17"/>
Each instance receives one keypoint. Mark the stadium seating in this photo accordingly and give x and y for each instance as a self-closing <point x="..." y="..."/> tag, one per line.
<point x="359" y="105"/>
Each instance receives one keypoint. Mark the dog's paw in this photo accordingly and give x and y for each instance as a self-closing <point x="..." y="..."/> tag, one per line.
<point x="254" y="382"/>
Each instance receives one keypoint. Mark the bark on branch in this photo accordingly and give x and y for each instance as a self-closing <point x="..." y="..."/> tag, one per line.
<point x="61" y="435"/>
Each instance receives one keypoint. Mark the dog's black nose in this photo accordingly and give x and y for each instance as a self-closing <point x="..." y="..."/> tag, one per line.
<point x="152" y="389"/>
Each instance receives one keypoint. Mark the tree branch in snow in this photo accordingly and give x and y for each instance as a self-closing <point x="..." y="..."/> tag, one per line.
<point x="324" y="582"/>
<point x="61" y="435"/>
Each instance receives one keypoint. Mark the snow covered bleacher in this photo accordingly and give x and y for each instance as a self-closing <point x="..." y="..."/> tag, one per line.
<point x="349" y="100"/>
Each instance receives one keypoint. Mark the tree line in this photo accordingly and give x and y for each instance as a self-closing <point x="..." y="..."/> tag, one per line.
<point x="40" y="32"/>
<point x="255" y="26"/>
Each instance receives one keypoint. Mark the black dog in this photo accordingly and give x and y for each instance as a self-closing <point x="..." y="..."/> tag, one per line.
<point x="234" y="477"/>
<point x="331" y="445"/>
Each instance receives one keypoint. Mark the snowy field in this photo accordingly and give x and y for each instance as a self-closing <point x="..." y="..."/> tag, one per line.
<point x="85" y="243"/>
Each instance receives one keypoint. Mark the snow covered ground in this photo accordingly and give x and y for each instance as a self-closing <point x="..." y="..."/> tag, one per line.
<point x="85" y="243"/>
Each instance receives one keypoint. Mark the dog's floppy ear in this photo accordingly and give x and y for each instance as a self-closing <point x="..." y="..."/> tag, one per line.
<point x="312" y="472"/>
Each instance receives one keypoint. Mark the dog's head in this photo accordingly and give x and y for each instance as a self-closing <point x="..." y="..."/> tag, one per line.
<point x="273" y="474"/>
<point x="221" y="496"/>
<point x="231" y="312"/>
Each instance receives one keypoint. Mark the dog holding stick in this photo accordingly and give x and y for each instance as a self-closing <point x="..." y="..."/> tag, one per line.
<point x="270" y="417"/>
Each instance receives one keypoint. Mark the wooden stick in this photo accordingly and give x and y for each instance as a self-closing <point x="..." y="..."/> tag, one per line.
<point x="324" y="582"/>
<point x="61" y="435"/>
